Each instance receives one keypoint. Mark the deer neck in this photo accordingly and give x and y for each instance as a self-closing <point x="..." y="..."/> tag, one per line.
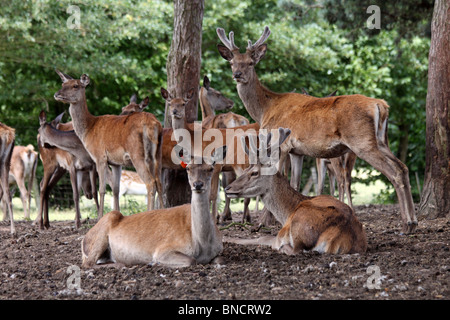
<point x="281" y="199"/>
<point x="205" y="239"/>
<point x="205" y="106"/>
<point x="67" y="141"/>
<point x="81" y="117"/>
<point x="256" y="98"/>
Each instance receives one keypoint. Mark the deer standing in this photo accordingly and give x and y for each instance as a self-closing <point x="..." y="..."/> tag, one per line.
<point x="23" y="168"/>
<point x="212" y="100"/>
<point x="61" y="151"/>
<point x="7" y="138"/>
<point x="321" y="127"/>
<point x="130" y="140"/>
<point x="236" y="160"/>
<point x="175" y="237"/>
<point x="320" y="223"/>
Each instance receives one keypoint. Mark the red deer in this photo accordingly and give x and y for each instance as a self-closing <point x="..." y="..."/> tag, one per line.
<point x="7" y="139"/>
<point x="321" y="127"/>
<point x="236" y="160"/>
<point x="320" y="223"/>
<point x="175" y="237"/>
<point x="133" y="106"/>
<point x="22" y="174"/>
<point x="131" y="140"/>
<point x="56" y="161"/>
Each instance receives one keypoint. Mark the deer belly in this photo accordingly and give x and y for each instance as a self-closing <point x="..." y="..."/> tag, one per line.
<point x="318" y="149"/>
<point x="128" y="252"/>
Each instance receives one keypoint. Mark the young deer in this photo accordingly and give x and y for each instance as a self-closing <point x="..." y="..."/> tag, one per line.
<point x="131" y="140"/>
<point x="78" y="162"/>
<point x="321" y="127"/>
<point x="320" y="223"/>
<point x="22" y="174"/>
<point x="175" y="237"/>
<point x="7" y="138"/>
<point x="133" y="106"/>
<point x="225" y="136"/>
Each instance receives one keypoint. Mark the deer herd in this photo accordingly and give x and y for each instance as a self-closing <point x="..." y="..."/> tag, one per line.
<point x="252" y="158"/>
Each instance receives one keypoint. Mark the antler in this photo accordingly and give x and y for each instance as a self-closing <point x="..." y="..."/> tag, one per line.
<point x="228" y="43"/>
<point x="264" y="36"/>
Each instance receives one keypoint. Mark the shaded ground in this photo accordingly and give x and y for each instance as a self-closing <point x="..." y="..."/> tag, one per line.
<point x="35" y="266"/>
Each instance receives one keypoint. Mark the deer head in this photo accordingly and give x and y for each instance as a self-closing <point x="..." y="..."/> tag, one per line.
<point x="200" y="170"/>
<point x="215" y="98"/>
<point x="177" y="105"/>
<point x="73" y="90"/>
<point x="242" y="64"/>
<point x="254" y="182"/>
<point x="133" y="106"/>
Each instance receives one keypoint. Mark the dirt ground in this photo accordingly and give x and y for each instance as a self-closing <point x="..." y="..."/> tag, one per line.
<point x="44" y="265"/>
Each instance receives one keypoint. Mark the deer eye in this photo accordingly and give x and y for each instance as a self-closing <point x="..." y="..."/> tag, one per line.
<point x="254" y="173"/>
<point x="75" y="86"/>
<point x="251" y="63"/>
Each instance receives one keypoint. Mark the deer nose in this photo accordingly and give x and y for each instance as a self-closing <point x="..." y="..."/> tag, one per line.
<point x="237" y="74"/>
<point x="175" y="111"/>
<point x="198" y="185"/>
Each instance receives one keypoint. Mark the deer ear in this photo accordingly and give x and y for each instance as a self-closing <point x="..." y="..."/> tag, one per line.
<point x="144" y="103"/>
<point x="58" y="119"/>
<point x="133" y="98"/>
<point x="225" y="52"/>
<point x="165" y="94"/>
<point x="206" y="82"/>
<point x="84" y="79"/>
<point x="189" y="94"/>
<point x="64" y="77"/>
<point x="42" y="118"/>
<point x="259" y="53"/>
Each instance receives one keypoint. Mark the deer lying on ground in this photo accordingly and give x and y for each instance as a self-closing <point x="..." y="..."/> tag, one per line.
<point x="7" y="139"/>
<point x="236" y="160"/>
<point x="320" y="223"/>
<point x="62" y="151"/>
<point x="321" y="127"/>
<point x="175" y="237"/>
<point x="23" y="169"/>
<point x="131" y="140"/>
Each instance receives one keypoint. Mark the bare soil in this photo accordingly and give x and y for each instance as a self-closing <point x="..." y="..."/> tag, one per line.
<point x="43" y="265"/>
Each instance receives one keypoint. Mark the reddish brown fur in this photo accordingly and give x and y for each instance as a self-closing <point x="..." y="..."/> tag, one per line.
<point x="7" y="136"/>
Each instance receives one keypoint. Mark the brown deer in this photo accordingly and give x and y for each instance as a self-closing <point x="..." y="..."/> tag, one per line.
<point x="131" y="140"/>
<point x="320" y="223"/>
<point x="7" y="139"/>
<point x="236" y="160"/>
<point x="321" y="127"/>
<point x="133" y="106"/>
<point x="211" y="100"/>
<point x="56" y="163"/>
<point x="175" y="237"/>
<point x="22" y="174"/>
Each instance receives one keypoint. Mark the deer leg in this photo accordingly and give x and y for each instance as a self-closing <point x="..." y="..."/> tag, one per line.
<point x="76" y="196"/>
<point x="175" y="259"/>
<point x="320" y="164"/>
<point x="93" y="179"/>
<point x="383" y="160"/>
<point x="227" y="178"/>
<point x="101" y="169"/>
<point x="116" y="174"/>
<point x="246" y="217"/>
<point x="24" y="198"/>
<point x="296" y="170"/>
<point x="214" y="189"/>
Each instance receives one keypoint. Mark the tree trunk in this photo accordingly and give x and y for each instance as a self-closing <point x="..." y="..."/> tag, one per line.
<point x="436" y="191"/>
<point x="183" y="73"/>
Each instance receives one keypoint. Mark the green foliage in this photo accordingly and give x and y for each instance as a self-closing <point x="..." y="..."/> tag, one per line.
<point x="123" y="46"/>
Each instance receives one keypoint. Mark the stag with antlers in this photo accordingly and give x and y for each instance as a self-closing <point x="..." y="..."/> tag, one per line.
<point x="321" y="127"/>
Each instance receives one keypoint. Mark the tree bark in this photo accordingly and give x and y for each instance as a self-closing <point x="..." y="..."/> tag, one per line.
<point x="183" y="73"/>
<point x="436" y="191"/>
